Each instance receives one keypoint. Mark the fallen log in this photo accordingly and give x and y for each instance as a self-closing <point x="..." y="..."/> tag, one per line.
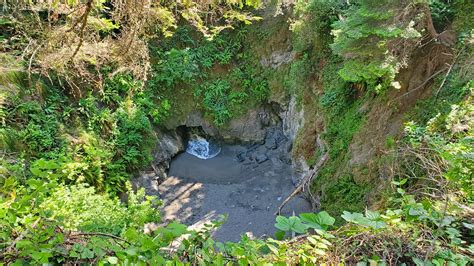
<point x="305" y="182"/>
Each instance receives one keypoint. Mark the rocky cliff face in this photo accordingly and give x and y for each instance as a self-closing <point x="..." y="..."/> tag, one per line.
<point x="250" y="127"/>
<point x="169" y="144"/>
<point x="292" y="120"/>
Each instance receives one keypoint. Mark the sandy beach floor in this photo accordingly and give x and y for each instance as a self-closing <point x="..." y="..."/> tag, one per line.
<point x="198" y="190"/>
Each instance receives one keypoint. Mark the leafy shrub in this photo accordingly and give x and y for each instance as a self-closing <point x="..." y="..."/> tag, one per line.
<point x="175" y="66"/>
<point x="463" y="17"/>
<point x="36" y="125"/>
<point x="218" y="99"/>
<point x="79" y="208"/>
<point x="132" y="136"/>
<point x="448" y="140"/>
<point x="118" y="86"/>
<point x="39" y="219"/>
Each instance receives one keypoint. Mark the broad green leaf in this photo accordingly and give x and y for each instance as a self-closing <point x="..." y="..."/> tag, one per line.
<point x="320" y="220"/>
<point x="372" y="215"/>
<point x="177" y="229"/>
<point x="113" y="260"/>
<point x="323" y="218"/>
<point x="311" y="220"/>
<point x="282" y="223"/>
<point x="296" y="225"/>
<point x="352" y="217"/>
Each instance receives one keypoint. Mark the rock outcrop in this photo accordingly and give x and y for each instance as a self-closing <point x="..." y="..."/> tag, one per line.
<point x="169" y="144"/>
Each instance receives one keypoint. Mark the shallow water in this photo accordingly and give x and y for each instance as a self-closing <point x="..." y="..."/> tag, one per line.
<point x="198" y="190"/>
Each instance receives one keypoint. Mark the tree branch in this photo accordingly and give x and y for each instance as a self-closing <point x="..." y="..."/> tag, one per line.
<point x="84" y="18"/>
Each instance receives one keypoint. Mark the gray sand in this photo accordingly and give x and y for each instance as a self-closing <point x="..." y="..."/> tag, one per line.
<point x="198" y="190"/>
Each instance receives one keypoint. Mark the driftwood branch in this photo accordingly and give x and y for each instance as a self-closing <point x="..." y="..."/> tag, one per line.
<point x="305" y="182"/>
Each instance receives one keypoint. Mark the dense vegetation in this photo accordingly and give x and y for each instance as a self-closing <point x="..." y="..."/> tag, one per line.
<point x="85" y="84"/>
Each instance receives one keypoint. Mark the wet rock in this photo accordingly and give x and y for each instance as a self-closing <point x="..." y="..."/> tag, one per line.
<point x="276" y="162"/>
<point x="240" y="157"/>
<point x="261" y="158"/>
<point x="271" y="144"/>
<point x="265" y="119"/>
<point x="169" y="144"/>
<point x="292" y="119"/>
<point x="247" y="163"/>
<point x="279" y="137"/>
<point x="196" y="119"/>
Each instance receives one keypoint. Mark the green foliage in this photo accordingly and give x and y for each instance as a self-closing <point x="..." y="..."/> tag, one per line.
<point x="99" y="140"/>
<point x="296" y="78"/>
<point x="39" y="221"/>
<point x="319" y="222"/>
<point x="342" y="193"/>
<point x="455" y="89"/>
<point x="366" y="37"/>
<point x="463" y="17"/>
<point x="117" y="87"/>
<point x="252" y="83"/>
<point x="341" y="109"/>
<point x="79" y="208"/>
<point x="221" y="49"/>
<point x="292" y="223"/>
<point x="371" y="219"/>
<point x="442" y="13"/>
<point x="339" y="134"/>
<point x="41" y="130"/>
<point x="312" y="24"/>
<point x="132" y="136"/>
<point x="176" y="66"/>
<point x="218" y="99"/>
<point x="223" y="95"/>
<point x="449" y="137"/>
<point x="191" y="62"/>
<point x="341" y="106"/>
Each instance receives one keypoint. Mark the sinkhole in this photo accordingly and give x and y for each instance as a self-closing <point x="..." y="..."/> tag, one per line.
<point x="247" y="182"/>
